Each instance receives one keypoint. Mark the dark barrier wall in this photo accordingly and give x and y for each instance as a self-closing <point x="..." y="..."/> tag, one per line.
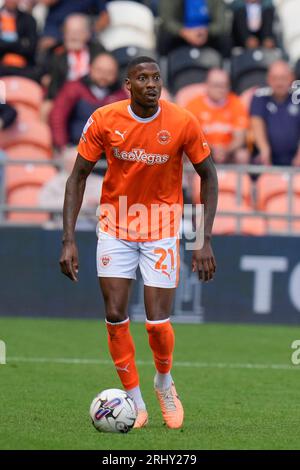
<point x="257" y="281"/>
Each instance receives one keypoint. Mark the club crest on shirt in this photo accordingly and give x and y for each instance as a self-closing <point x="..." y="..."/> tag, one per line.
<point x="163" y="137"/>
<point x="105" y="260"/>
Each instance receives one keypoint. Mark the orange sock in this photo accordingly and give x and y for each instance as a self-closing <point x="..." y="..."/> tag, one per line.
<point x="161" y="340"/>
<point x="122" y="350"/>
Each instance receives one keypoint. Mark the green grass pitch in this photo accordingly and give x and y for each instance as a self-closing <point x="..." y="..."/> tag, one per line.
<point x="237" y="384"/>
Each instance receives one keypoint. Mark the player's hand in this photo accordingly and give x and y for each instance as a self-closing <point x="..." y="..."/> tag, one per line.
<point x="204" y="262"/>
<point x="69" y="260"/>
<point x="265" y="156"/>
<point x="194" y="36"/>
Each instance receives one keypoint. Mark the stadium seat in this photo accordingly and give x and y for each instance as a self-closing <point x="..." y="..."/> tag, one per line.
<point x="229" y="224"/>
<point x="26" y="196"/>
<point x="188" y="65"/>
<point x="288" y="12"/>
<point x="27" y="113"/>
<point x="27" y="174"/>
<point x="33" y="133"/>
<point x="249" y="67"/>
<point x="189" y="92"/>
<point x="228" y="185"/>
<point x="279" y="204"/>
<point x="269" y="186"/>
<point x="20" y="90"/>
<point x="124" y="55"/>
<point x="255" y="226"/>
<point x="27" y="152"/>
<point x="131" y="24"/>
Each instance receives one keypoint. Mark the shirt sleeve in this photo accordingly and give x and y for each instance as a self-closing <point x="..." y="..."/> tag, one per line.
<point x="240" y="117"/>
<point x="91" y="145"/>
<point x="195" y="145"/>
<point x="257" y="107"/>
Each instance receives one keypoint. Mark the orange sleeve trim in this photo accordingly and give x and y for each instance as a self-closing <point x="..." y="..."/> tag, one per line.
<point x="203" y="157"/>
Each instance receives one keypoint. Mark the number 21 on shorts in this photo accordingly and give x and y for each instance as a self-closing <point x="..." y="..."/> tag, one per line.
<point x="161" y="263"/>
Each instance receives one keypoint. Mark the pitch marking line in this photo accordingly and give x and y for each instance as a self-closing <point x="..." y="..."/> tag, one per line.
<point x="200" y="365"/>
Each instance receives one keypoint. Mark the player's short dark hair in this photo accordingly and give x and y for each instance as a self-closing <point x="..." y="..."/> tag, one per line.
<point x="140" y="60"/>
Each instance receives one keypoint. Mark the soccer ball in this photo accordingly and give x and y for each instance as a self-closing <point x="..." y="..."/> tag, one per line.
<point x="113" y="411"/>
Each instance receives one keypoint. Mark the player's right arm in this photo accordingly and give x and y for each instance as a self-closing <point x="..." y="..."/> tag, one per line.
<point x="73" y="199"/>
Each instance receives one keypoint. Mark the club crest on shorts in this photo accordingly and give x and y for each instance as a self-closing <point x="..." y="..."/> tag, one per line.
<point x="105" y="260"/>
<point x="164" y="137"/>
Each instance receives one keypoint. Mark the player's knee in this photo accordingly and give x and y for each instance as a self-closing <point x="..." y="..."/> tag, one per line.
<point x="115" y="315"/>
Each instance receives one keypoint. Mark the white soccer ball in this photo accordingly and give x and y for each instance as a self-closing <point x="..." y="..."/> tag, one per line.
<point x="113" y="411"/>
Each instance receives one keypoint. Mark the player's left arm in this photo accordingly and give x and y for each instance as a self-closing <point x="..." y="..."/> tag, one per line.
<point x="74" y="192"/>
<point x="203" y="260"/>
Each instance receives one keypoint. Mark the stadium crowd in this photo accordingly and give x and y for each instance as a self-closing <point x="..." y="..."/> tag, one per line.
<point x="226" y="61"/>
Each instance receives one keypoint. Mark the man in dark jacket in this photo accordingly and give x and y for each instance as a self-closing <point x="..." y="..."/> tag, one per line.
<point x="58" y="10"/>
<point x="18" y="40"/>
<point x="72" y="60"/>
<point x="253" y="24"/>
<point x="77" y="100"/>
<point x="193" y="22"/>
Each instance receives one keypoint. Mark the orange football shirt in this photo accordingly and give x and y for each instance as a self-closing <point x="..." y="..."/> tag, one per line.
<point x="219" y="122"/>
<point x="144" y="158"/>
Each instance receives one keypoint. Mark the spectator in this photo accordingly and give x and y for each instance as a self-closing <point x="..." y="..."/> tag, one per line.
<point x="224" y="119"/>
<point x="275" y="119"/>
<point x="60" y="9"/>
<point x="78" y="100"/>
<point x="72" y="60"/>
<point x="27" y="5"/>
<point x="18" y="40"/>
<point x="52" y="193"/>
<point x="193" y="22"/>
<point x="253" y="24"/>
<point x="8" y="116"/>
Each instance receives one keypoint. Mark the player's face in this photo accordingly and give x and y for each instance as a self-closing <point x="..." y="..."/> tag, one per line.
<point x="144" y="85"/>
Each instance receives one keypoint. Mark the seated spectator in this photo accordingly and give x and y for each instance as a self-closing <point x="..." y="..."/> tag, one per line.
<point x="77" y="100"/>
<point x="27" y="5"/>
<point x="18" y="40"/>
<point x="252" y="25"/>
<point x="53" y="192"/>
<point x="8" y="116"/>
<point x="72" y="60"/>
<point x="224" y="119"/>
<point x="60" y="9"/>
<point x="193" y="22"/>
<point x="275" y="119"/>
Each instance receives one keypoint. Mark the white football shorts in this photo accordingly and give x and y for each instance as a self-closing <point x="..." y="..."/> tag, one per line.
<point x="158" y="260"/>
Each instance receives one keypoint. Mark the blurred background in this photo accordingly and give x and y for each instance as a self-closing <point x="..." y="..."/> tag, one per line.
<point x="234" y="64"/>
